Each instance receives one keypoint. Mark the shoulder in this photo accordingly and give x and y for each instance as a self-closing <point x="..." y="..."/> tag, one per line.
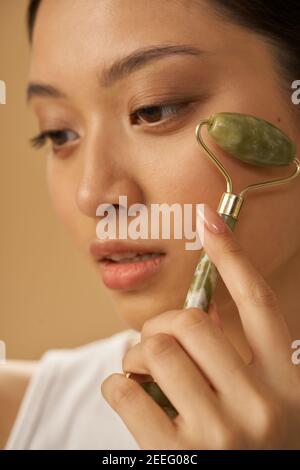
<point x="14" y="378"/>
<point x="58" y="369"/>
<point x="106" y="353"/>
<point x="64" y="394"/>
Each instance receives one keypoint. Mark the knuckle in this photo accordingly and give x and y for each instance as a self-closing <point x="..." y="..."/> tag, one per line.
<point x="261" y="294"/>
<point x="230" y="247"/>
<point x="152" y="324"/>
<point x="159" y="344"/>
<point x="189" y="319"/>
<point x="270" y="418"/>
<point x="227" y="439"/>
<point x="147" y="327"/>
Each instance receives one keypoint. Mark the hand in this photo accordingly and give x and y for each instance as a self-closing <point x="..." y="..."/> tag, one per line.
<point x="223" y="403"/>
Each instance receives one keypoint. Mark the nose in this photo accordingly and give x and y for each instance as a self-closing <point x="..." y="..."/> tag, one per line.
<point x="105" y="174"/>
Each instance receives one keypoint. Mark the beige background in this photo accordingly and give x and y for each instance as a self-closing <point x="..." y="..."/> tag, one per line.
<point x="49" y="295"/>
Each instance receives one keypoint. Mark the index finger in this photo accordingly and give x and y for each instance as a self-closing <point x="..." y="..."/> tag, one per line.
<point x="258" y="306"/>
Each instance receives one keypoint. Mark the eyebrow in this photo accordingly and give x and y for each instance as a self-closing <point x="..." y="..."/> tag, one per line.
<point x="121" y="67"/>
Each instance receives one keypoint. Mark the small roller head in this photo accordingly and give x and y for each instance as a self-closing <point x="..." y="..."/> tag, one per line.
<point x="251" y="139"/>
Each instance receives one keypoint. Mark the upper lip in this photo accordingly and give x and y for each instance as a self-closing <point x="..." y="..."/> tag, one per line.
<point x="101" y="249"/>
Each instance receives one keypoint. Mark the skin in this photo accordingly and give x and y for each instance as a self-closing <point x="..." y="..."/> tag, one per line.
<point x="112" y="157"/>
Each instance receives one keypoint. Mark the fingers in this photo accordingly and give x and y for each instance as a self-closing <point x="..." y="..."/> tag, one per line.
<point x="177" y="375"/>
<point x="232" y="389"/>
<point x="264" y="325"/>
<point x="146" y="421"/>
<point x="204" y="344"/>
<point x="134" y="362"/>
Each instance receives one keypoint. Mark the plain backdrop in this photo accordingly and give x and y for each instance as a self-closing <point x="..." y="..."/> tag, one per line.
<point x="50" y="296"/>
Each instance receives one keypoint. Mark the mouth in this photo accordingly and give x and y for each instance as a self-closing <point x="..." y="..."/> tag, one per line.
<point x="128" y="271"/>
<point x="126" y="267"/>
<point x="130" y="257"/>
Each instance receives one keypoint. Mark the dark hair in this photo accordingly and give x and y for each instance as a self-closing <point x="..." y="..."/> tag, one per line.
<point x="277" y="21"/>
<point x="31" y="16"/>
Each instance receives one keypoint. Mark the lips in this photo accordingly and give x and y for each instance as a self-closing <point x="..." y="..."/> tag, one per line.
<point x="126" y="265"/>
<point x="116" y="248"/>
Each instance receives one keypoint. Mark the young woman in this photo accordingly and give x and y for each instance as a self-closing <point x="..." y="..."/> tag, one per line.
<point x="118" y="87"/>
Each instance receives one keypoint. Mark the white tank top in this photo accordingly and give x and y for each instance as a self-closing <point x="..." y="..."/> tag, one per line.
<point x="63" y="407"/>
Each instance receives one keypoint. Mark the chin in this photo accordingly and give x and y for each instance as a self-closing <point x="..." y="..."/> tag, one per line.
<point x="136" y="308"/>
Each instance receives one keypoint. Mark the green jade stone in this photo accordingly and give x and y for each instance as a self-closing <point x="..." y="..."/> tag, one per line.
<point x="250" y="139"/>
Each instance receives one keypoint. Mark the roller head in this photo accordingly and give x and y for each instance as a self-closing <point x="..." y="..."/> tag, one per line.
<point x="251" y="139"/>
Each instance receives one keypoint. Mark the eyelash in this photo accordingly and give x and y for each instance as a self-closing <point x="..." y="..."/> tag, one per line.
<point x="161" y="106"/>
<point x="40" y="140"/>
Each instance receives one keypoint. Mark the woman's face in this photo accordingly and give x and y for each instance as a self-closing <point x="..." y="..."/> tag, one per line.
<point x="154" y="157"/>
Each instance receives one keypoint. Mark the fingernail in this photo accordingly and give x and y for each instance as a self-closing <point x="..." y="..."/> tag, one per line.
<point x="212" y="220"/>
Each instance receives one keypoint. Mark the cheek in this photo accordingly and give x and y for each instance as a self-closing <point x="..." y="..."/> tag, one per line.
<point x="61" y="190"/>
<point x="268" y="231"/>
<point x="183" y="173"/>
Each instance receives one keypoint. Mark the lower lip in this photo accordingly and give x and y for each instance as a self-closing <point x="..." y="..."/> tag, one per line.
<point x="129" y="275"/>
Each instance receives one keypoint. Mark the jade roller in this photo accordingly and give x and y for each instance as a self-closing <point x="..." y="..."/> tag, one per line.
<point x="253" y="141"/>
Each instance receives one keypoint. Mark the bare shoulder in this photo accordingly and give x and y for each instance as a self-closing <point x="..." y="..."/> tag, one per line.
<point x="14" y="378"/>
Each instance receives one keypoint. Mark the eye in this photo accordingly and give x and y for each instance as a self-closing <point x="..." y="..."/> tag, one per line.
<point x="158" y="113"/>
<point x="59" y="138"/>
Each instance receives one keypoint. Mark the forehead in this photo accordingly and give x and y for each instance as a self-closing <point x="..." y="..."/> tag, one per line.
<point x="80" y="33"/>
